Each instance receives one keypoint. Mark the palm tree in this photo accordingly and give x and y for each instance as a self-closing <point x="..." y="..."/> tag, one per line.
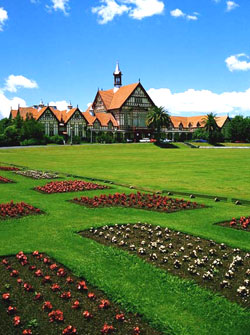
<point x="158" y="118"/>
<point x="210" y="126"/>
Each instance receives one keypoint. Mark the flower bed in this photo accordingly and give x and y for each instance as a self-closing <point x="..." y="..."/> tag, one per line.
<point x="17" y="210"/>
<point x="9" y="168"/>
<point x="5" y="180"/>
<point x="216" y="266"/>
<point x="139" y="200"/>
<point x="69" y="186"/>
<point x="57" y="302"/>
<point x="34" y="174"/>
<point x="242" y="224"/>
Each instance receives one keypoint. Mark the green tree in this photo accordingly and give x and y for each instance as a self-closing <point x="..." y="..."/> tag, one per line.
<point x="211" y="127"/>
<point x="12" y="135"/>
<point x="18" y="121"/>
<point x="239" y="129"/>
<point x="4" y="123"/>
<point x="32" y="129"/>
<point x="158" y="118"/>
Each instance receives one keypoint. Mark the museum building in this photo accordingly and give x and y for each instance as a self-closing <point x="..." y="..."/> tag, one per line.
<point x="120" y="110"/>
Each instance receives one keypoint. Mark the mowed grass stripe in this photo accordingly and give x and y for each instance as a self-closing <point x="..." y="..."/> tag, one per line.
<point x="222" y="172"/>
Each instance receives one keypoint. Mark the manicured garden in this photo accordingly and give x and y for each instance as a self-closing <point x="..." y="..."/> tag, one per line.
<point x="40" y="296"/>
<point x="169" y="302"/>
<point x="216" y="266"/>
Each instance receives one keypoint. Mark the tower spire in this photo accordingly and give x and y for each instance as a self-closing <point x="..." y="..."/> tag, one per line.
<point x="117" y="76"/>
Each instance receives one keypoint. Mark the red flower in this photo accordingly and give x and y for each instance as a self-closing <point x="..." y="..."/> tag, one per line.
<point x="61" y="272"/>
<point x="106" y="329"/>
<point x="47" y="306"/>
<point x="76" y="304"/>
<point x="38" y="296"/>
<point x="66" y="295"/>
<point x="14" y="273"/>
<point x="70" y="330"/>
<point x="35" y="253"/>
<point x="38" y="273"/>
<point x="46" y="279"/>
<point x="87" y="315"/>
<point x="46" y="260"/>
<point x="16" y="321"/>
<point x="27" y="332"/>
<point x="56" y="316"/>
<point x="69" y="280"/>
<point x="137" y="330"/>
<point x="55" y="287"/>
<point x="19" y="281"/>
<point x="104" y="304"/>
<point x="53" y="266"/>
<point x="6" y="296"/>
<point x="91" y="296"/>
<point x="28" y="287"/>
<point x="32" y="267"/>
<point x="5" y="261"/>
<point x="81" y="286"/>
<point x="11" y="310"/>
<point x="120" y="317"/>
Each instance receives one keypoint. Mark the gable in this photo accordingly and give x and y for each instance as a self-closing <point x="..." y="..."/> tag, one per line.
<point x="139" y="97"/>
<point x="47" y="115"/>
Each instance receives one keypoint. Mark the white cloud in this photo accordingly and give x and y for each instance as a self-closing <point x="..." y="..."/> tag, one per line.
<point x="62" y="5"/>
<point x="109" y="10"/>
<point x="13" y="82"/>
<point x="145" y="8"/>
<point x="192" y="17"/>
<point x="3" y="17"/>
<point x="199" y="102"/>
<point x="235" y="63"/>
<point x="61" y="105"/>
<point x="231" y="5"/>
<point x="6" y="104"/>
<point x="137" y="9"/>
<point x="179" y="13"/>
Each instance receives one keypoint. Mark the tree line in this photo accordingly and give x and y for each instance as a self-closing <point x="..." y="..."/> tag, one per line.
<point x="237" y="130"/>
<point x="31" y="132"/>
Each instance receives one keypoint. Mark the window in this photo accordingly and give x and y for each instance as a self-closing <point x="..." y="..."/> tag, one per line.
<point x="51" y="129"/>
<point x="80" y="131"/>
<point x="138" y="100"/>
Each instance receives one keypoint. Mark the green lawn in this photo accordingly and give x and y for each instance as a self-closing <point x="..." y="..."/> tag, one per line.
<point x="215" y="172"/>
<point x="173" y="305"/>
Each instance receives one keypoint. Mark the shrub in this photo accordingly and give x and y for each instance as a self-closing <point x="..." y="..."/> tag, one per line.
<point x="57" y="139"/>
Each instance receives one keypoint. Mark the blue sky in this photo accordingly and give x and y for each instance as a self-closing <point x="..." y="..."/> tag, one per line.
<point x="192" y="56"/>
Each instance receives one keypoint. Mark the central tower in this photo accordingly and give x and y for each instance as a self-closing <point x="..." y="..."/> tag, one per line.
<point x="117" y="77"/>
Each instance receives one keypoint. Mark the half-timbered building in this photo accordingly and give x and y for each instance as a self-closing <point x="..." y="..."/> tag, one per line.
<point x="129" y="105"/>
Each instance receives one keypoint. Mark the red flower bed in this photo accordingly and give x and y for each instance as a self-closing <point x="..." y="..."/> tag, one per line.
<point x="9" y="168"/>
<point x="14" y="210"/>
<point x="69" y="186"/>
<point x="77" y="309"/>
<point x="5" y="180"/>
<point x="153" y="202"/>
<point x="242" y="224"/>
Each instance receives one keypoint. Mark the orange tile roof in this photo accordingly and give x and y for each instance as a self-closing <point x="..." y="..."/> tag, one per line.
<point x="67" y="114"/>
<point x="115" y="99"/>
<point x="23" y="111"/>
<point x="194" y="120"/>
<point x="105" y="118"/>
<point x="90" y="118"/>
